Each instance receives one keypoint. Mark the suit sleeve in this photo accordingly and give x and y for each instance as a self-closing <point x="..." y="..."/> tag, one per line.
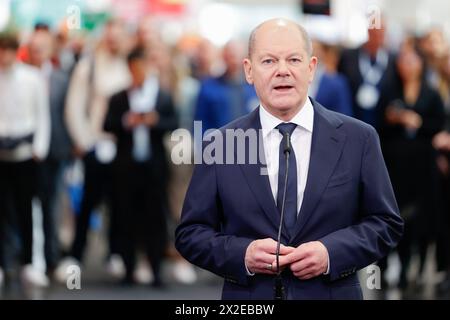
<point x="168" y="119"/>
<point x="114" y="118"/>
<point x="199" y="238"/>
<point x="380" y="226"/>
<point x="434" y="119"/>
<point x="203" y="108"/>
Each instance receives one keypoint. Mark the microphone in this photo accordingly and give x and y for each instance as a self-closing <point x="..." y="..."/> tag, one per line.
<point x="279" y="293"/>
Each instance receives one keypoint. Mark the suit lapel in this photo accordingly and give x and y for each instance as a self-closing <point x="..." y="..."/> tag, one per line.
<point x="259" y="183"/>
<point x="326" y="148"/>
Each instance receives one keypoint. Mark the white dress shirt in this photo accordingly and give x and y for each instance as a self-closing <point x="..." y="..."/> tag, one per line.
<point x="301" y="143"/>
<point x="24" y="110"/>
<point x="143" y="100"/>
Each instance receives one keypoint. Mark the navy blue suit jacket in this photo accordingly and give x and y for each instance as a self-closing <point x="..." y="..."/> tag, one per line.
<point x="348" y="205"/>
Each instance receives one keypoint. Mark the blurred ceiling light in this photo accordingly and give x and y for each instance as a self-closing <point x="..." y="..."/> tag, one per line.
<point x="217" y="22"/>
<point x="357" y="30"/>
<point x="96" y="6"/>
<point x="423" y="20"/>
<point x="324" y="29"/>
<point x="4" y="13"/>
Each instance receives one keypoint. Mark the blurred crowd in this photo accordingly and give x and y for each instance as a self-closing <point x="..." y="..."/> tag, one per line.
<point x="88" y="119"/>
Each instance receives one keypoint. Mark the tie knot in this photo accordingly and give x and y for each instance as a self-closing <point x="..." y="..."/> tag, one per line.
<point x="286" y="127"/>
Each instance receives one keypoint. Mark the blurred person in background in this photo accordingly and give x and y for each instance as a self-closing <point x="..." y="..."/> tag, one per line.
<point x="69" y="48"/>
<point x="370" y="70"/>
<point x="185" y="91"/>
<point x="187" y="87"/>
<point x="24" y="141"/>
<point x="413" y="116"/>
<point x="329" y="87"/>
<point x="174" y="78"/>
<point x="95" y="79"/>
<point x="228" y="97"/>
<point x="160" y="63"/>
<point x="51" y="169"/>
<point x="139" y="117"/>
<point x="442" y="143"/>
<point x="204" y="62"/>
<point x="434" y="48"/>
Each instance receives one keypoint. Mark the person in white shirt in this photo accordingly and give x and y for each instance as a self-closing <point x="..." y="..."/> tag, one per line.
<point x="51" y="170"/>
<point x="24" y="140"/>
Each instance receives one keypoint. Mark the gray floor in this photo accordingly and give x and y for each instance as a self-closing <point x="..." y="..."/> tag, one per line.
<point x="97" y="284"/>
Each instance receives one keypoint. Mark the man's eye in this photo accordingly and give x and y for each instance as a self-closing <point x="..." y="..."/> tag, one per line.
<point x="267" y="61"/>
<point x="295" y="60"/>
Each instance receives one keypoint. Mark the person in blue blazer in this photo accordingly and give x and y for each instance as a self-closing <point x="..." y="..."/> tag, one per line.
<point x="227" y="97"/>
<point x="340" y="213"/>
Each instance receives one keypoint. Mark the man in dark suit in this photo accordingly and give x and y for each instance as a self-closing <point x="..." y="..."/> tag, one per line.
<point x="139" y="117"/>
<point x="370" y="70"/>
<point x="340" y="212"/>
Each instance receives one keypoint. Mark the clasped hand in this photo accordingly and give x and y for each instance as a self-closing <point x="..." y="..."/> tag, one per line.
<point x="307" y="261"/>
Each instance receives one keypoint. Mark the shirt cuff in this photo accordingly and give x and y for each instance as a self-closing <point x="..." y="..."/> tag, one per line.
<point x="328" y="264"/>
<point x="251" y="274"/>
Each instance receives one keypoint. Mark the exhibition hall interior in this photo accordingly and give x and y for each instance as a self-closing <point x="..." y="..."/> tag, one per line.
<point x="91" y="194"/>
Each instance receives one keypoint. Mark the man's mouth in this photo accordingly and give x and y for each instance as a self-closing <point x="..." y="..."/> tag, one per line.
<point x="283" y="88"/>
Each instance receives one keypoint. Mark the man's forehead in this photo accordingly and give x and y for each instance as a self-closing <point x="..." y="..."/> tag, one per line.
<point x="290" y="42"/>
<point x="279" y="25"/>
<point x="278" y="34"/>
<point x="280" y="51"/>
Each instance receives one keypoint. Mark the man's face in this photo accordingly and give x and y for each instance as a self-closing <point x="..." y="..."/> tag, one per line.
<point x="114" y="37"/>
<point x="40" y="48"/>
<point x="138" y="71"/>
<point x="280" y="69"/>
<point x="232" y="55"/>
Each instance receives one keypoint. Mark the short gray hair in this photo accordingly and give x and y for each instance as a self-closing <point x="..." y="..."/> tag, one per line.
<point x="305" y="36"/>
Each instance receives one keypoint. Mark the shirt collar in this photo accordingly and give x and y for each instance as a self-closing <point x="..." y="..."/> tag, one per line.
<point x="304" y="118"/>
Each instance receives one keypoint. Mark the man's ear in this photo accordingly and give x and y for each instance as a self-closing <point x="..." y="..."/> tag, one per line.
<point x="312" y="68"/>
<point x="248" y="70"/>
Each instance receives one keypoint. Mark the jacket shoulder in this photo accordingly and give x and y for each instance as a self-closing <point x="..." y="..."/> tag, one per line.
<point x="349" y="125"/>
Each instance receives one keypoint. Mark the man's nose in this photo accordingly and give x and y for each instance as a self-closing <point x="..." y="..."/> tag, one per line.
<point x="283" y="69"/>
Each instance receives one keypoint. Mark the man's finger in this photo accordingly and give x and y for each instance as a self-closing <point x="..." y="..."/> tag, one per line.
<point x="268" y="245"/>
<point x="286" y="250"/>
<point x="301" y="265"/>
<point x="305" y="272"/>
<point x="266" y="268"/>
<point x="306" y="276"/>
<point x="285" y="260"/>
<point x="264" y="257"/>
